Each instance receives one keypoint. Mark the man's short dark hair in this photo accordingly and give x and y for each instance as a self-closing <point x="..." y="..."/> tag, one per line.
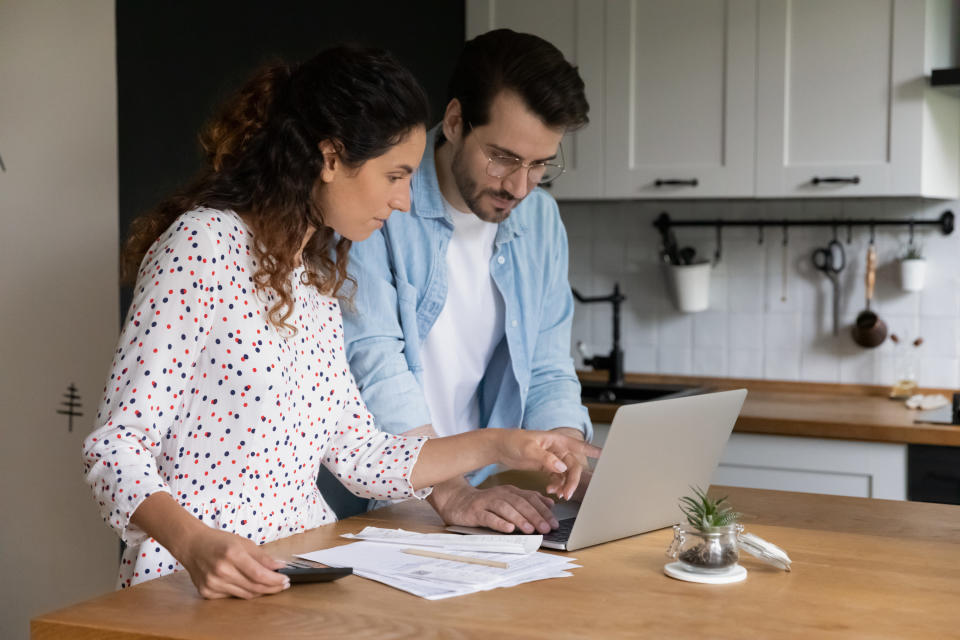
<point x="528" y="65"/>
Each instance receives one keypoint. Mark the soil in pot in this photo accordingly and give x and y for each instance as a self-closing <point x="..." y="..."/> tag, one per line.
<point x="710" y="555"/>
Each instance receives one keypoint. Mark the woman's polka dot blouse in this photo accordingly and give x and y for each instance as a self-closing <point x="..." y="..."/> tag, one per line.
<point x="208" y="401"/>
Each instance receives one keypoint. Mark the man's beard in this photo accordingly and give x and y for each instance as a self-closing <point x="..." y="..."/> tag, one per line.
<point x="471" y="195"/>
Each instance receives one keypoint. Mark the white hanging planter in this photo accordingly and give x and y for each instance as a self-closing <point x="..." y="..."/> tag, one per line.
<point x="690" y="285"/>
<point x="913" y="274"/>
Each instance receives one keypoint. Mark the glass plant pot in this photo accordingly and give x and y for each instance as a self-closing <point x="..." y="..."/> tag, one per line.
<point x="715" y="550"/>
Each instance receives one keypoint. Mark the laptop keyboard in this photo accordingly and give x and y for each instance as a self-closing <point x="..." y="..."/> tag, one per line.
<point x="561" y="533"/>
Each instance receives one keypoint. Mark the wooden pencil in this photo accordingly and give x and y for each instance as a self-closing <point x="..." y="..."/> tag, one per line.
<point x="449" y="556"/>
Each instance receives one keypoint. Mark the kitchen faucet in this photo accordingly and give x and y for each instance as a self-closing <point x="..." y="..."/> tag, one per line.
<point x="613" y="362"/>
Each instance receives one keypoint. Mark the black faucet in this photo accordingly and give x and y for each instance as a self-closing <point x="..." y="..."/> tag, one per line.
<point x="613" y="363"/>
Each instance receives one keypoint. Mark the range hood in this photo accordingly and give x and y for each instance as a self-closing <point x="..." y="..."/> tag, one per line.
<point x="946" y="79"/>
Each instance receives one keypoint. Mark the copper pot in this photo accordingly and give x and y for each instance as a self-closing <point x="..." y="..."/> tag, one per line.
<point x="869" y="330"/>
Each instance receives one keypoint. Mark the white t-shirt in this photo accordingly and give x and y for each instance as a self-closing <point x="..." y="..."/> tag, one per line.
<point x="461" y="342"/>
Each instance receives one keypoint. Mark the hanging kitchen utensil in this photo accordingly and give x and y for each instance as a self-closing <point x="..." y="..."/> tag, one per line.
<point x="831" y="260"/>
<point x="669" y="250"/>
<point x="716" y="253"/>
<point x="783" y="267"/>
<point x="869" y="330"/>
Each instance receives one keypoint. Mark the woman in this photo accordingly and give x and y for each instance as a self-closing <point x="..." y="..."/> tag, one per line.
<point x="230" y="386"/>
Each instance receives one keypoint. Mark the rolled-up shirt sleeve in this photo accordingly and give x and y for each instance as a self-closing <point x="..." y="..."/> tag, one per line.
<point x="375" y="340"/>
<point x="553" y="399"/>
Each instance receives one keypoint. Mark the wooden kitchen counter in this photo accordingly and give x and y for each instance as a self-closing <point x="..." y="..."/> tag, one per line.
<point x="861" y="568"/>
<point x="817" y="410"/>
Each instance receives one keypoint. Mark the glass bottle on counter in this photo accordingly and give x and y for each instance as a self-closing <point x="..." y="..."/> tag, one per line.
<point x="906" y="360"/>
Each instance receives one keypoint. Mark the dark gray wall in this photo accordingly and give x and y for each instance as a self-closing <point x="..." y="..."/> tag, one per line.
<point x="176" y="59"/>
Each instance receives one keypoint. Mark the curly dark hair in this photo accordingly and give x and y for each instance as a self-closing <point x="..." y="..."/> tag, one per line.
<point x="263" y="160"/>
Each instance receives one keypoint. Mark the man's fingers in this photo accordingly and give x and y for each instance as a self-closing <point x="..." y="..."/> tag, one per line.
<point x="531" y="519"/>
<point x="492" y="521"/>
<point x="536" y="507"/>
<point x="515" y="513"/>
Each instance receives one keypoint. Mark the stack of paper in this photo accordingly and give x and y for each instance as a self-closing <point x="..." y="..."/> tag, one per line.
<point x="452" y="541"/>
<point x="388" y="560"/>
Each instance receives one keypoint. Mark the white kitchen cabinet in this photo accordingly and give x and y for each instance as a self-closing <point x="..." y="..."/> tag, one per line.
<point x="814" y="465"/>
<point x="680" y="98"/>
<point x="740" y="98"/>
<point x="842" y="95"/>
<point x="576" y="28"/>
<point x="808" y="465"/>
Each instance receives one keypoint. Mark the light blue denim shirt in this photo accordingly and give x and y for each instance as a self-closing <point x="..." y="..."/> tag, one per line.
<point x="401" y="275"/>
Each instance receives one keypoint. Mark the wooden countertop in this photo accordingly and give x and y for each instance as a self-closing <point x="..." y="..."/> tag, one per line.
<point x="861" y="568"/>
<point x="848" y="412"/>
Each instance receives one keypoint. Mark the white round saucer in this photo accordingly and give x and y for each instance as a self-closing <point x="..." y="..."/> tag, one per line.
<point x="736" y="573"/>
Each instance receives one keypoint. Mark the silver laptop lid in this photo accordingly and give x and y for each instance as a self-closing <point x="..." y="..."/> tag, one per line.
<point x="654" y="453"/>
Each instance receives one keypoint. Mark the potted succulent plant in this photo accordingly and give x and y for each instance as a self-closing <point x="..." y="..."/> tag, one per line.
<point x="708" y="540"/>
<point x="913" y="268"/>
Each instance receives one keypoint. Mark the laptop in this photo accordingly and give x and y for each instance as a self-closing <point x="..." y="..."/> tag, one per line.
<point x="654" y="453"/>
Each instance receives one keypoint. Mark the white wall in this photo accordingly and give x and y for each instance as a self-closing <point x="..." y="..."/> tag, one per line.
<point x="748" y="332"/>
<point x="58" y="315"/>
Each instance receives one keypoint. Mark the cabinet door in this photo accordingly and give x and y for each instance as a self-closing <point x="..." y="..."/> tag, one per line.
<point x="576" y="28"/>
<point x="680" y="93"/>
<point x="837" y="97"/>
<point x="814" y="465"/>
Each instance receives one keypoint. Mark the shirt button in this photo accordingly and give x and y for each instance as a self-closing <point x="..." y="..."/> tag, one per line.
<point x="501" y="260"/>
<point x="513" y="323"/>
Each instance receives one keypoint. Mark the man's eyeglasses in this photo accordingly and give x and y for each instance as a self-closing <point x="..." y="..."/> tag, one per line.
<point x="500" y="165"/>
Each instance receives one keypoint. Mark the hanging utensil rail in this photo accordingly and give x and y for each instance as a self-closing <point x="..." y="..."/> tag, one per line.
<point x="664" y="223"/>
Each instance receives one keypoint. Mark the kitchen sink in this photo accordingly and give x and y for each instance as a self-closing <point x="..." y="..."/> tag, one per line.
<point x="632" y="393"/>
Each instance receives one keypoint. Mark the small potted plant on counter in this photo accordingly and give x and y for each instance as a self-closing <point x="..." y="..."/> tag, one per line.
<point x="913" y="268"/>
<point x="708" y="540"/>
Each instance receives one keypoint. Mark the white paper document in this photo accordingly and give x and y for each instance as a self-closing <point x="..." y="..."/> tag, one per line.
<point x="452" y="542"/>
<point x="433" y="578"/>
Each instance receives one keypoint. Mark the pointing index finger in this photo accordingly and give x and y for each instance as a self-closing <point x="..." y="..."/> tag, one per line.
<point x="589" y="450"/>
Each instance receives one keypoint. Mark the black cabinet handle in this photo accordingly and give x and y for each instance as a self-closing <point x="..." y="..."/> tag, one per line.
<point x="835" y="180"/>
<point x="692" y="182"/>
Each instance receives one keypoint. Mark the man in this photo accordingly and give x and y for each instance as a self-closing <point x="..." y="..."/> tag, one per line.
<point x="462" y="314"/>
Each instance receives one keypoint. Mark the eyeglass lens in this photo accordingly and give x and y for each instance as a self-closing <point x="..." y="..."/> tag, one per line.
<point x="501" y="167"/>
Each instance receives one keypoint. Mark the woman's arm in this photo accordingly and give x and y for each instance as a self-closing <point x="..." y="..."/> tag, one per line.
<point x="443" y="458"/>
<point x="221" y="564"/>
<point x="147" y="381"/>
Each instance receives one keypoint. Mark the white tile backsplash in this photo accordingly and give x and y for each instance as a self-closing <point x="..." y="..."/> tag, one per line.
<point x="746" y="363"/>
<point x="675" y="361"/>
<point x="710" y="362"/>
<point x="745" y="330"/>
<point x="781" y="364"/>
<point x="749" y="331"/>
<point x="676" y="330"/>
